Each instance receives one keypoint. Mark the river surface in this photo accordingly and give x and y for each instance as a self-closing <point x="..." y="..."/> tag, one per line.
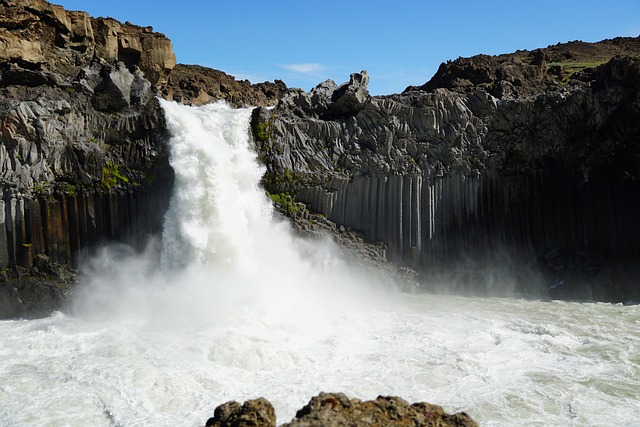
<point x="228" y="305"/>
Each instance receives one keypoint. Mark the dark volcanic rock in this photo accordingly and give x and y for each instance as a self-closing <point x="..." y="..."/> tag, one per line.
<point x="328" y="101"/>
<point x="336" y="410"/>
<point x="460" y="178"/>
<point x="528" y="73"/>
<point x="82" y="155"/>
<point x="35" y="293"/>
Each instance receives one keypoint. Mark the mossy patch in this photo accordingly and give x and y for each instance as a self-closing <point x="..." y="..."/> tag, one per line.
<point x="569" y="69"/>
<point x="111" y="176"/>
<point x="261" y="130"/>
<point x="286" y="203"/>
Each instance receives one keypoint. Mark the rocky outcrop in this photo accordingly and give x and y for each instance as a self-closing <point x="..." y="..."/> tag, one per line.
<point x="528" y="73"/>
<point x="462" y="175"/>
<point x="337" y="410"/>
<point x="196" y="85"/>
<point x="45" y="38"/>
<point x="357" y="251"/>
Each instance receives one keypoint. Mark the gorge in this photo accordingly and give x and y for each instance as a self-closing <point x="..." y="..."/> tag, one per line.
<point x="528" y="158"/>
<point x="161" y="281"/>
<point x="203" y="317"/>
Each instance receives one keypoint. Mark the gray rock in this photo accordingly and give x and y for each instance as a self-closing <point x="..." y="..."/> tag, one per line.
<point x="349" y="98"/>
<point x="113" y="93"/>
<point x="451" y="176"/>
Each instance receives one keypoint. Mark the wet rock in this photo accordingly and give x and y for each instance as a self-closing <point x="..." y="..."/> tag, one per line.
<point x="336" y="410"/>
<point x="253" y="413"/>
<point x="25" y="295"/>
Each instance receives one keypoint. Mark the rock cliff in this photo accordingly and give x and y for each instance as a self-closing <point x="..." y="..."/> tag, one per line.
<point x="527" y="162"/>
<point x="82" y="141"/>
<point x="82" y="159"/>
<point x="520" y="160"/>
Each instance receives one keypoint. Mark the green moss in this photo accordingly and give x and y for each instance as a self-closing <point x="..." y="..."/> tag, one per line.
<point x="285" y="203"/>
<point x="261" y="130"/>
<point x="274" y="180"/>
<point x="571" y="68"/>
<point x="111" y="176"/>
<point x="70" y="189"/>
<point x="39" y="187"/>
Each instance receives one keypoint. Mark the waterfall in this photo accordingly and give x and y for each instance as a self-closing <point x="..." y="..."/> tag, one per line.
<point x="223" y="248"/>
<point x="229" y="305"/>
<point x="218" y="212"/>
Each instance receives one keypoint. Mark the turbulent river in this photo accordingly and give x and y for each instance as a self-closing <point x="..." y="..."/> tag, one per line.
<point x="229" y="305"/>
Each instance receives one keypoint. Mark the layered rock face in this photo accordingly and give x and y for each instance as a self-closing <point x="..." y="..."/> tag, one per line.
<point x="514" y="156"/>
<point x="82" y="159"/>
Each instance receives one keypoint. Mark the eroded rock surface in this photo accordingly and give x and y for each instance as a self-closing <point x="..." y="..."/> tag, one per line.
<point x="337" y="410"/>
<point x="196" y="85"/>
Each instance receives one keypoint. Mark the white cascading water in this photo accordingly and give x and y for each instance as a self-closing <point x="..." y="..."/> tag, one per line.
<point x="238" y="308"/>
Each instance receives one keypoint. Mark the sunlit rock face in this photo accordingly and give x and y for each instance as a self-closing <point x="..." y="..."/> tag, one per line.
<point x="460" y="174"/>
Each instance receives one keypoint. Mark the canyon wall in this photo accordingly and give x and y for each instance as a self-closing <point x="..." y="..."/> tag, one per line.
<point x="519" y="159"/>
<point x="82" y="156"/>
<point x="523" y="164"/>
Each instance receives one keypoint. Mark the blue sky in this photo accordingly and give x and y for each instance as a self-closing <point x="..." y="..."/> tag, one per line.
<point x="399" y="42"/>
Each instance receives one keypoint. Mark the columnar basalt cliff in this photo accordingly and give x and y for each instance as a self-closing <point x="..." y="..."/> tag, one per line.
<point x="83" y="160"/>
<point x="533" y="154"/>
<point x="81" y="154"/>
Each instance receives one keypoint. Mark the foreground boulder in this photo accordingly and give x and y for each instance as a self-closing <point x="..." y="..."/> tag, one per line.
<point x="336" y="410"/>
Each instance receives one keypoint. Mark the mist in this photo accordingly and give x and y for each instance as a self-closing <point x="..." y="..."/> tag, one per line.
<point x="225" y="255"/>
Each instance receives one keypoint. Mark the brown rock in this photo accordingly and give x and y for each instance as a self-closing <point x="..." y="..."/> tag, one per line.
<point x="337" y="410"/>
<point x="13" y="47"/>
<point x="196" y="85"/>
<point x="253" y="413"/>
<point x="40" y="35"/>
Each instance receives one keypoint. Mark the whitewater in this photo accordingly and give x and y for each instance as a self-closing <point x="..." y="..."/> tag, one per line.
<point x="229" y="305"/>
